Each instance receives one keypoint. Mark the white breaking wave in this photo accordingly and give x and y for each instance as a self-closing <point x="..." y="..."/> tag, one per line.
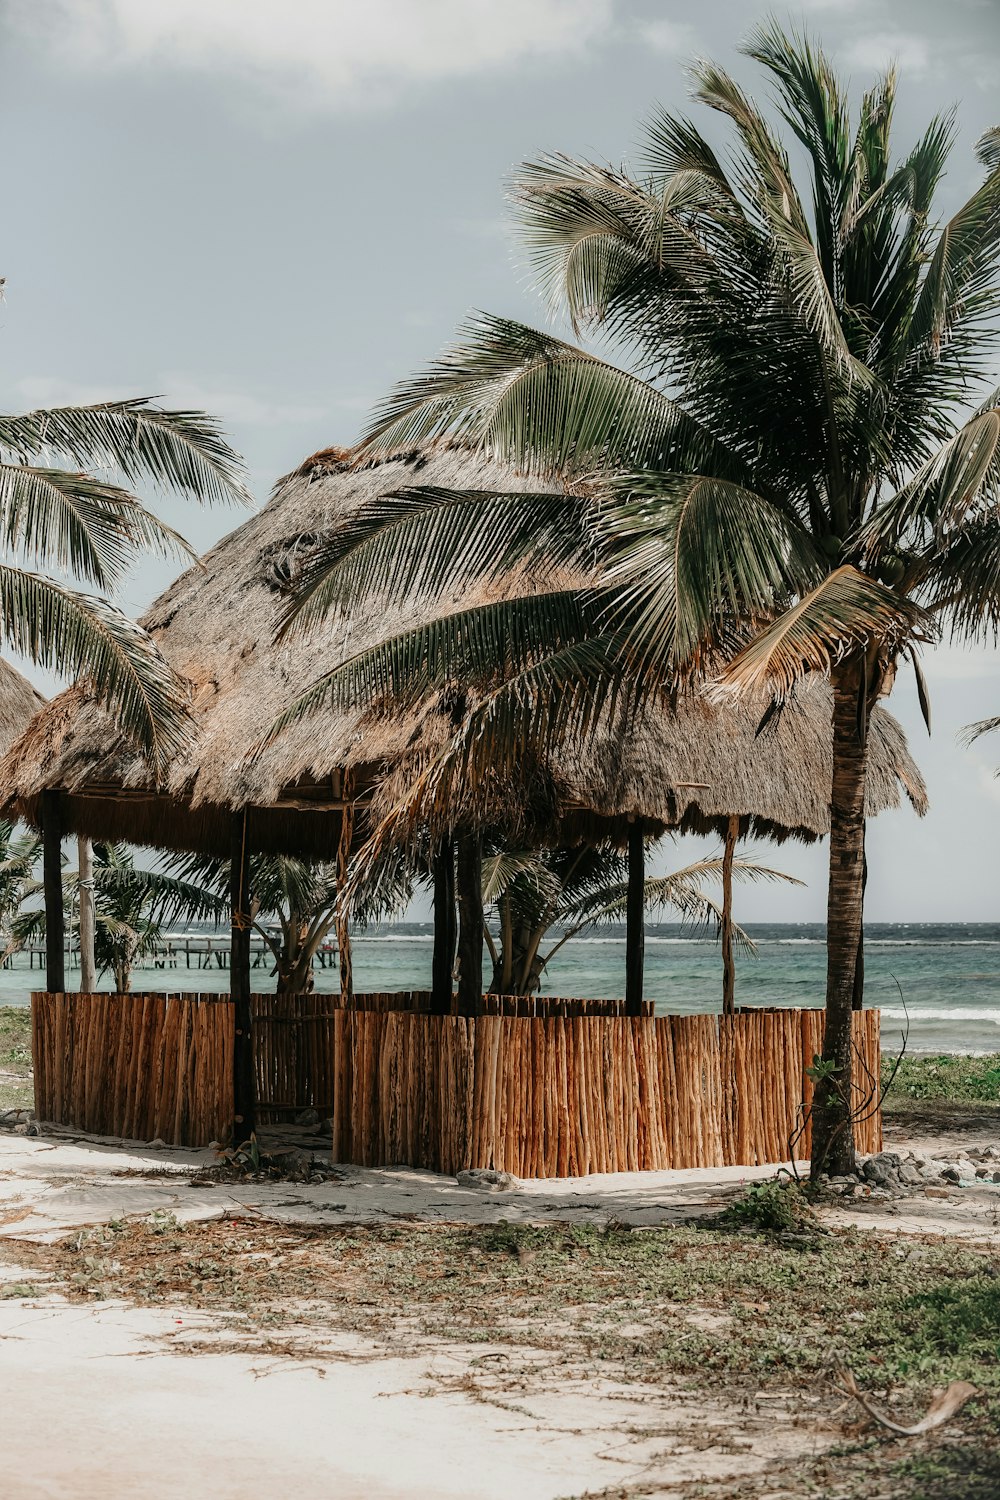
<point x="944" y="1013"/>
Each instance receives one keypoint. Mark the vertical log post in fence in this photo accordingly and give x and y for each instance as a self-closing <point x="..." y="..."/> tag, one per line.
<point x="88" y="916"/>
<point x="635" y="917"/>
<point x="443" y="966"/>
<point x="55" y="926"/>
<point x="469" y="883"/>
<point x="726" y="934"/>
<point x="244" y="1102"/>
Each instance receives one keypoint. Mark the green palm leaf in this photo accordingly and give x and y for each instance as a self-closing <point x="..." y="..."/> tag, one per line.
<point x="78" y="524"/>
<point x="180" y="450"/>
<point x="846" y="612"/>
<point x="428" y="540"/>
<point x="75" y="633"/>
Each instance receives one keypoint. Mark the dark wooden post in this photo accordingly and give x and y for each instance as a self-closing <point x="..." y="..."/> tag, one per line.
<point x="342" y="924"/>
<point x="244" y="1085"/>
<point x="635" y="919"/>
<point x="469" y="883"/>
<point x="726" y="934"/>
<point x="55" y="926"/>
<point x="445" y="930"/>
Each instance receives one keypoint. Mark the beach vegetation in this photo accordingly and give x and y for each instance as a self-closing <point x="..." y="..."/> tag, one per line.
<point x="794" y="471"/>
<point x="947" y="1078"/>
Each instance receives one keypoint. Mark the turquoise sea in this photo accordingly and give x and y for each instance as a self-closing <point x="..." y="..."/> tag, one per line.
<point x="942" y="980"/>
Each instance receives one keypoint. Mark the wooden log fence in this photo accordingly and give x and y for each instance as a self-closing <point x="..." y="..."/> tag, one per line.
<point x="537" y="1087"/>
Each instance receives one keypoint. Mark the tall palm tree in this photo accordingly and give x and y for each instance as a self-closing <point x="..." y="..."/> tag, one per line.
<point x="65" y="521"/>
<point x="787" y="479"/>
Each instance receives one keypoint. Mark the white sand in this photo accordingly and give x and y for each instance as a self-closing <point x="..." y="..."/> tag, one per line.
<point x="108" y="1401"/>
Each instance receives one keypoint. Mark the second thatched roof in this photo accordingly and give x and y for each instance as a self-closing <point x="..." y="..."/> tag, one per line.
<point x="692" y="767"/>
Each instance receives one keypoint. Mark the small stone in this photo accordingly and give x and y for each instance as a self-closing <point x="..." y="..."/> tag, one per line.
<point x="486" y="1180"/>
<point x="937" y="1192"/>
<point x="157" y="1145"/>
<point x="982" y="1172"/>
<point x="996" y="1176"/>
<point x="909" y="1175"/>
<point x="951" y="1174"/>
<point x="882" y="1169"/>
<point x="326" y="1127"/>
<point x="307" y="1117"/>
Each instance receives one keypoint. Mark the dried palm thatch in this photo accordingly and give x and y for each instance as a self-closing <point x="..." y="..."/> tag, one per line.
<point x="692" y="767"/>
<point x="19" y="702"/>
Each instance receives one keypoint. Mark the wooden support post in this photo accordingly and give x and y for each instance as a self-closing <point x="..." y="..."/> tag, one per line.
<point x="88" y="916"/>
<point x="469" y="883"/>
<point x="342" y="925"/>
<point x="55" y="926"/>
<point x="726" y="934"/>
<point x="445" y="929"/>
<point x="244" y="1089"/>
<point x="635" y="920"/>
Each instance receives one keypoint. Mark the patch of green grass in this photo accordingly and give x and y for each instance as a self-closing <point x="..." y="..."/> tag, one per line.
<point x="16" y="1091"/>
<point x="957" y="1079"/>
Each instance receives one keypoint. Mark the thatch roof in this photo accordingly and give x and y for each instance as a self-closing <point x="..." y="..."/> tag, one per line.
<point x="19" y="702"/>
<point x="215" y="625"/>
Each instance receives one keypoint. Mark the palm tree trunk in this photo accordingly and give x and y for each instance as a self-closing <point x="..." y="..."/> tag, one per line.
<point x="470" y="924"/>
<point x="726" y="935"/>
<point x="445" y="932"/>
<point x="833" y="1133"/>
<point x="859" y="967"/>
<point x="88" y="916"/>
<point x="635" y="919"/>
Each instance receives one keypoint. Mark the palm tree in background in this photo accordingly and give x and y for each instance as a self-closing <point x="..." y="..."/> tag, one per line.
<point x="294" y="906"/>
<point x="69" y="531"/>
<point x="787" y="479"/>
<point x="532" y="891"/>
<point x="132" y="906"/>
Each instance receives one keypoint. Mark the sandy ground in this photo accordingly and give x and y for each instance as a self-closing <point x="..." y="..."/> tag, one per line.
<point x="106" y="1400"/>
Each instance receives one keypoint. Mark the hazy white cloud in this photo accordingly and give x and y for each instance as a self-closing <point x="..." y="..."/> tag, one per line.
<point x="328" y="53"/>
<point x="910" y="52"/>
<point x="675" y="38"/>
<point x="177" y="389"/>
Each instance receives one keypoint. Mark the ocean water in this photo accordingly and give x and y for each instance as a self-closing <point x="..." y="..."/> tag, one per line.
<point x="939" y="982"/>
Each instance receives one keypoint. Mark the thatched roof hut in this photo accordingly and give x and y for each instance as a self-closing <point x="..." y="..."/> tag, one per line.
<point x="690" y="768"/>
<point x="19" y="702"/>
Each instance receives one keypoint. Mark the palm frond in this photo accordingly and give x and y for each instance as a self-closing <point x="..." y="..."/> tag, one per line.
<point x="689" y="550"/>
<point x="82" y="636"/>
<point x="78" y="524"/>
<point x="533" y="400"/>
<point x="473" y="645"/>
<point x="429" y="540"/>
<point x="846" y="612"/>
<point x="178" y="450"/>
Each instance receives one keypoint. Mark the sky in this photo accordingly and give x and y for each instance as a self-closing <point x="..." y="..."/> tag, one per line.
<point x="273" y="209"/>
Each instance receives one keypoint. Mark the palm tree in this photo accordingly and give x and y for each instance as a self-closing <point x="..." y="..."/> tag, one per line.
<point x="132" y="906"/>
<point x="530" y="892"/>
<point x="786" y="480"/>
<point x="295" y="905"/>
<point x="19" y="856"/>
<point x="61" y="514"/>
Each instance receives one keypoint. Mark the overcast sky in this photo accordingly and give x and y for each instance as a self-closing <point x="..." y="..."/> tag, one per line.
<point x="273" y="209"/>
